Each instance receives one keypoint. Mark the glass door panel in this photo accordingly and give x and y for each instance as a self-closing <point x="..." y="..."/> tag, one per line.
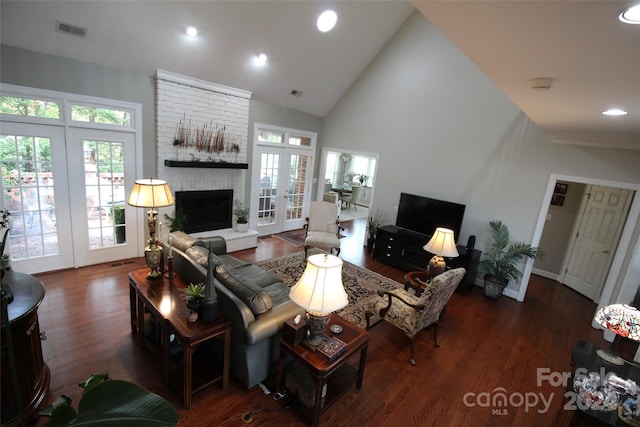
<point x="34" y="181"/>
<point x="101" y="215"/>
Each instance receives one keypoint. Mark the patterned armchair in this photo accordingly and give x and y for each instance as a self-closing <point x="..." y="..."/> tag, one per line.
<point x="322" y="227"/>
<point x="414" y="313"/>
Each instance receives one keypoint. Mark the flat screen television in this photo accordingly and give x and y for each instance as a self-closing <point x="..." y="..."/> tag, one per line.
<point x="424" y="215"/>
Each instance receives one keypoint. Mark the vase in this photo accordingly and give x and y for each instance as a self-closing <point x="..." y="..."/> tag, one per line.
<point x="370" y="242"/>
<point x="194" y="306"/>
<point x="242" y="227"/>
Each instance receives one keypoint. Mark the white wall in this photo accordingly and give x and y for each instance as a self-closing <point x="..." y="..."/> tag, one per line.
<point x="444" y="130"/>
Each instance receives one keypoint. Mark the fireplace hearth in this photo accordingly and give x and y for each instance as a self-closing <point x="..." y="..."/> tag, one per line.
<point x="205" y="210"/>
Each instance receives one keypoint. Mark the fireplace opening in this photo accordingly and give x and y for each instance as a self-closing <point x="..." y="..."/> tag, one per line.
<point x="205" y="210"/>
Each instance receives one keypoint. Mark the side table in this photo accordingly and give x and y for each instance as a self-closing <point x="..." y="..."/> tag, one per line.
<point x="162" y="300"/>
<point x="337" y="375"/>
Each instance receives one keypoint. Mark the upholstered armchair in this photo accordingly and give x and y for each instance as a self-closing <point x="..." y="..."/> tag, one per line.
<point x="322" y="227"/>
<point x="412" y="313"/>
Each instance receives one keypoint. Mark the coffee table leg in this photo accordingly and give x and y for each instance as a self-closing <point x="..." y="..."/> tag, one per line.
<point x="317" y="402"/>
<point x="279" y="378"/>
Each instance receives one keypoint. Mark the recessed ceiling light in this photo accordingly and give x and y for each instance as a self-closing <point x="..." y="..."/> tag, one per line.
<point x="614" y="112"/>
<point x="631" y="15"/>
<point x="326" y="21"/>
<point x="261" y="59"/>
<point x="192" y="31"/>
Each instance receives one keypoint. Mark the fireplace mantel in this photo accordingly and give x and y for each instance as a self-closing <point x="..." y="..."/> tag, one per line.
<point x="199" y="164"/>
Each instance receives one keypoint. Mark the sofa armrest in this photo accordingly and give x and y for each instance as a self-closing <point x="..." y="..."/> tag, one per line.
<point x="215" y="244"/>
<point x="270" y="323"/>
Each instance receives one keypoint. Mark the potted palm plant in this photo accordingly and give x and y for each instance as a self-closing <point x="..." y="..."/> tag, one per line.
<point x="374" y="221"/>
<point x="500" y="263"/>
<point x="242" y="216"/>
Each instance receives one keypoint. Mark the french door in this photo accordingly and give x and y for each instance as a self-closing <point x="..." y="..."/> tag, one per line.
<point x="281" y="202"/>
<point x="66" y="195"/>
<point x="36" y="194"/>
<point x="102" y="170"/>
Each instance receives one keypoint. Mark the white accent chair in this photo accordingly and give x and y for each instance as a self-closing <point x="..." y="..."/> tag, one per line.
<point x="323" y="227"/>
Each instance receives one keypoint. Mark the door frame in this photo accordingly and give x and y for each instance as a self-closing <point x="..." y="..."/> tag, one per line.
<point x="625" y="246"/>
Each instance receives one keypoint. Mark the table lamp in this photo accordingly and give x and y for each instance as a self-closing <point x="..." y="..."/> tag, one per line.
<point x="320" y="292"/>
<point x="442" y="244"/>
<point x="152" y="194"/>
<point x="624" y="321"/>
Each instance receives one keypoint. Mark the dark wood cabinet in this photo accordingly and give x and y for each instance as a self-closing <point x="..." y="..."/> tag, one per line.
<point x="403" y="249"/>
<point x="32" y="373"/>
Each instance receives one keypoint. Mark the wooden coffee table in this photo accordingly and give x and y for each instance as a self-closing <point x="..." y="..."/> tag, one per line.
<point x="337" y="374"/>
<point x="163" y="300"/>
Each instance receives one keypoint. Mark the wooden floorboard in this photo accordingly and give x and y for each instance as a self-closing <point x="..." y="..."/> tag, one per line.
<point x="487" y="346"/>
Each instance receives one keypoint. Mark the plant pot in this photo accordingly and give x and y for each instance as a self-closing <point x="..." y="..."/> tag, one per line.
<point x="494" y="286"/>
<point x="242" y="227"/>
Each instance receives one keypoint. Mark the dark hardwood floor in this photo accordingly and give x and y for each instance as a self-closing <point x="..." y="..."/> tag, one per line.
<point x="487" y="347"/>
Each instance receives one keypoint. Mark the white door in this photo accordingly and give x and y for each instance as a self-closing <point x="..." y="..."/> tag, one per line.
<point x="599" y="228"/>
<point x="102" y="171"/>
<point x="35" y="188"/>
<point x="281" y="189"/>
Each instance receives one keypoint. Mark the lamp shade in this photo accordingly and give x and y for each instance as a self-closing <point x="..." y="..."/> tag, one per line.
<point x="320" y="288"/>
<point x="442" y="243"/>
<point x="622" y="319"/>
<point x="150" y="193"/>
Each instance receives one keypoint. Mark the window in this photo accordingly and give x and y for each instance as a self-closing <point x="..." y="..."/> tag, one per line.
<point x="108" y="116"/>
<point x="332" y="168"/>
<point x="29" y="107"/>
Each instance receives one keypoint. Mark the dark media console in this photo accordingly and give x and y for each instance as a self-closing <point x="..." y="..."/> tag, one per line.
<point x="402" y="248"/>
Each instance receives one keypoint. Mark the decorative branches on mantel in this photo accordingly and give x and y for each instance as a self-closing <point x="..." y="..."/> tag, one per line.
<point x="205" y="139"/>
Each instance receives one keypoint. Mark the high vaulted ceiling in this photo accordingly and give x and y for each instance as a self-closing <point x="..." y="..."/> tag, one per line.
<point x="594" y="59"/>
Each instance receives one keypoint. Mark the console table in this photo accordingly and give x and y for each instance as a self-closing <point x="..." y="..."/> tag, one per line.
<point x="403" y="249"/>
<point x="33" y="373"/>
<point x="162" y="300"/>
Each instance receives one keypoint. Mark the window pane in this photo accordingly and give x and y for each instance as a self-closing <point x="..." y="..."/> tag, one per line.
<point x="300" y="140"/>
<point x="29" y="107"/>
<point x="84" y="113"/>
<point x="267" y="136"/>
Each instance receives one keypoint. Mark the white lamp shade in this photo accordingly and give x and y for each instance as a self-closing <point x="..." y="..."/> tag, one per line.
<point x="442" y="243"/>
<point x="320" y="288"/>
<point x="621" y="319"/>
<point x="150" y="193"/>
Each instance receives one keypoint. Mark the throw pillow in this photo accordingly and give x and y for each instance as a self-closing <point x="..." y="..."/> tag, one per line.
<point x="256" y="298"/>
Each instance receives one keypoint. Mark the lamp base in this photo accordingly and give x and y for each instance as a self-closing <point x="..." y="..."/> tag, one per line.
<point x="316" y="324"/>
<point x="153" y="256"/>
<point x="436" y="266"/>
<point x="610" y="357"/>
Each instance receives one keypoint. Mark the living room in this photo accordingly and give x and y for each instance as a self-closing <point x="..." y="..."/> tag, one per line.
<point x="440" y="126"/>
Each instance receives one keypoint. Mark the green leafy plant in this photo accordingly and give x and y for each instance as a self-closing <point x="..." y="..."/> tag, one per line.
<point x="178" y="221"/>
<point x="362" y="179"/>
<point x="113" y="402"/>
<point x="194" y="292"/>
<point x="501" y="262"/>
<point x="241" y="213"/>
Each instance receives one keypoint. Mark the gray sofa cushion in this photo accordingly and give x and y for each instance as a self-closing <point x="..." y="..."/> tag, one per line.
<point x="198" y="254"/>
<point x="256" y="298"/>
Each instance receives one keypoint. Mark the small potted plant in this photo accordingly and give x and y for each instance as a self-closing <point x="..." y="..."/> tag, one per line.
<point x="362" y="179"/>
<point x="242" y="217"/>
<point x="194" y="296"/>
<point x="500" y="263"/>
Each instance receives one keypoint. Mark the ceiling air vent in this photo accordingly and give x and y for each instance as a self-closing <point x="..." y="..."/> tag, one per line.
<point x="71" y="29"/>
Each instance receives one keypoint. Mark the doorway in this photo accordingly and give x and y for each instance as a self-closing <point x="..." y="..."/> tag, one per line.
<point x="352" y="175"/>
<point x="620" y="249"/>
